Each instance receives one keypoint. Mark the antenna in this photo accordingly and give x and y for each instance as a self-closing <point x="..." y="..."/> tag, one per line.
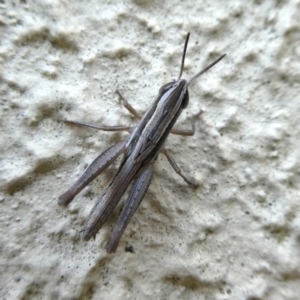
<point x="204" y="70"/>
<point x="183" y="55"/>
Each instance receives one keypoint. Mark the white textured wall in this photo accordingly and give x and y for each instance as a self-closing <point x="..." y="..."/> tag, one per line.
<point x="235" y="237"/>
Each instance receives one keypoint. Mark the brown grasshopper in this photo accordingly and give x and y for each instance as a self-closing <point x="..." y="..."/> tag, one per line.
<point x="140" y="149"/>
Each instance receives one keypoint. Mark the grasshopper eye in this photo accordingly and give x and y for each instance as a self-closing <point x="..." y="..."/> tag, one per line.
<point x="166" y="87"/>
<point x="185" y="100"/>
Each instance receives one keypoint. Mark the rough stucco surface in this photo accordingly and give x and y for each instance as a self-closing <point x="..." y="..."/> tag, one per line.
<point x="237" y="236"/>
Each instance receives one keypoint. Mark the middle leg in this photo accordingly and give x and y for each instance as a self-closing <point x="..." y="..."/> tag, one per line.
<point x="176" y="168"/>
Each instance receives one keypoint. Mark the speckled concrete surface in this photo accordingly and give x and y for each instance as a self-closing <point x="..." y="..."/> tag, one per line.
<point x="235" y="237"/>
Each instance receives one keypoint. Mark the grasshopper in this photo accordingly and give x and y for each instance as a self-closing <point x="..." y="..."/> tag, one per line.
<point x="140" y="150"/>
